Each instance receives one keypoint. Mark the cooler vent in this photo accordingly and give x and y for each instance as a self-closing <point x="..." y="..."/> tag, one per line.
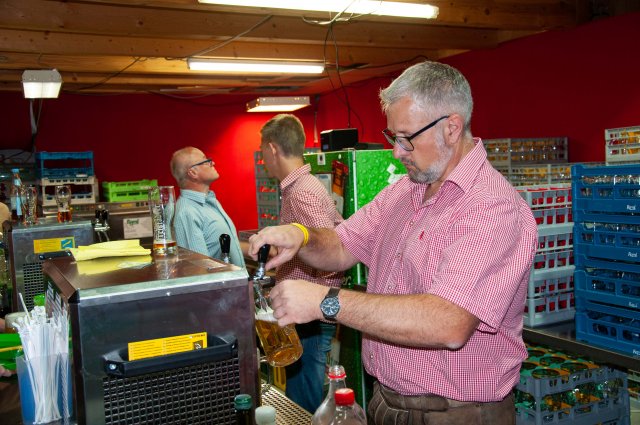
<point x="201" y="394"/>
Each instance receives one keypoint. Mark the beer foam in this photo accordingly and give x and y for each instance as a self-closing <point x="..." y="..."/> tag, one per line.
<point x="266" y="316"/>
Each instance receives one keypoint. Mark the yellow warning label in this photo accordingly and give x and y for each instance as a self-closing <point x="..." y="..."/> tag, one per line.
<point x="170" y="345"/>
<point x="53" y="244"/>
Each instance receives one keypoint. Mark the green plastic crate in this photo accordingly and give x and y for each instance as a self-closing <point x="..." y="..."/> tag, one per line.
<point x="127" y="191"/>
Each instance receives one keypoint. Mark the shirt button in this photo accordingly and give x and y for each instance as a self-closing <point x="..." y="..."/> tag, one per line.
<point x="371" y="356"/>
<point x="398" y="255"/>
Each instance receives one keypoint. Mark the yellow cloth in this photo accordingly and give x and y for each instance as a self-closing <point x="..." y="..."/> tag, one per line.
<point x="109" y="249"/>
<point x="104" y="265"/>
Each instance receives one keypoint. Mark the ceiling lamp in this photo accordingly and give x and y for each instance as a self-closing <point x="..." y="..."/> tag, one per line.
<point x="41" y="84"/>
<point x="278" y="104"/>
<point x="255" y="66"/>
<point x="358" y="7"/>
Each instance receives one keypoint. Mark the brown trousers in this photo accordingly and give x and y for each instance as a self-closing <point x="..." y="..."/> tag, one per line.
<point x="387" y="407"/>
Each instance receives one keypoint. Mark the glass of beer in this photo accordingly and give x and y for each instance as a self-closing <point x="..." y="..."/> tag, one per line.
<point x="63" y="201"/>
<point x="281" y="345"/>
<point x="29" y="202"/>
<point x="162" y="205"/>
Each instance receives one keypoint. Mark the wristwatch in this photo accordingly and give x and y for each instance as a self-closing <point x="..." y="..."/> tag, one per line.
<point x="330" y="305"/>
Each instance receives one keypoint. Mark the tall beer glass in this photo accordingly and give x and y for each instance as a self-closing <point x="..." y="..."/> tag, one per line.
<point x="281" y="345"/>
<point x="29" y="203"/>
<point x="162" y="205"/>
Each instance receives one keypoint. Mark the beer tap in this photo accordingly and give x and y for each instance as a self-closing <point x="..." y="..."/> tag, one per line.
<point x="225" y="247"/>
<point x="260" y="281"/>
<point x="263" y="255"/>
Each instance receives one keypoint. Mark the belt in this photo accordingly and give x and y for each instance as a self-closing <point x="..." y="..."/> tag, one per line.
<point x="423" y="403"/>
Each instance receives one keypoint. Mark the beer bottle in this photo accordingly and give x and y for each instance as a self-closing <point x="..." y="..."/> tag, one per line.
<point x="243" y="405"/>
<point x="16" y="186"/>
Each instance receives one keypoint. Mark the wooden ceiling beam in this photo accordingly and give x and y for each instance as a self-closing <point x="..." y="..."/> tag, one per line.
<point x="99" y="45"/>
<point x="88" y="19"/>
<point x="512" y="14"/>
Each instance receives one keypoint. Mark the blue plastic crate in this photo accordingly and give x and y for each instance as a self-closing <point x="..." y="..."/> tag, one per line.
<point x="611" y="327"/>
<point x="609" y="282"/>
<point x="64" y="164"/>
<point x="608" y="237"/>
<point x="608" y="189"/>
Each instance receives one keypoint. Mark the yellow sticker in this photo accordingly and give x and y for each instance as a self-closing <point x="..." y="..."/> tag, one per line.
<point x="53" y="244"/>
<point x="170" y="345"/>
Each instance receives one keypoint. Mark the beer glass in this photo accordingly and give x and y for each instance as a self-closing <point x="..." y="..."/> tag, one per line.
<point x="29" y="201"/>
<point x="162" y="205"/>
<point x="281" y="345"/>
<point x="63" y="200"/>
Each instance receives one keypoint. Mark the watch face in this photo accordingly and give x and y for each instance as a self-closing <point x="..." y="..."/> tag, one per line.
<point x="330" y="306"/>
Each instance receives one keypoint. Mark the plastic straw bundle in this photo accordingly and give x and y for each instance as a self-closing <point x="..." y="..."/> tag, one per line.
<point x="46" y="354"/>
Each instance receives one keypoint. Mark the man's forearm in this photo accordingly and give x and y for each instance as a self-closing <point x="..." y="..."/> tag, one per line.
<point x="325" y="251"/>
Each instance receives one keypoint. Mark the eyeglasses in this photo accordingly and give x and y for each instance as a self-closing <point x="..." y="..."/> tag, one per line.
<point x="207" y="161"/>
<point x="405" y="141"/>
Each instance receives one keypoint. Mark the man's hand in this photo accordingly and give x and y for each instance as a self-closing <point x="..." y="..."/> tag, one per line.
<point x="297" y="301"/>
<point x="286" y="239"/>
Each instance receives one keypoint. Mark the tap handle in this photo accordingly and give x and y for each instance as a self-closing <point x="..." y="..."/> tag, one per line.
<point x="225" y="243"/>
<point x="263" y="253"/>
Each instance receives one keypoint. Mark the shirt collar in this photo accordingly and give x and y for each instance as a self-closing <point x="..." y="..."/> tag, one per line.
<point x="294" y="175"/>
<point x="196" y="196"/>
<point x="465" y="173"/>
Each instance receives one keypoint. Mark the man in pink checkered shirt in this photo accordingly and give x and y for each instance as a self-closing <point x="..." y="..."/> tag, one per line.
<point x="449" y="248"/>
<point x="306" y="201"/>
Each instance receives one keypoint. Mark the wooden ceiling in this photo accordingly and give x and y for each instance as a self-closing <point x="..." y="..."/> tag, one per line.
<point x="125" y="46"/>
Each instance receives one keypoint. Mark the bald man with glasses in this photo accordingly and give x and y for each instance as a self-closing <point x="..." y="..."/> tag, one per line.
<point x="200" y="218"/>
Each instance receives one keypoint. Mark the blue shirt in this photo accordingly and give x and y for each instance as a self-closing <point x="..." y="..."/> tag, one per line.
<point x="199" y="222"/>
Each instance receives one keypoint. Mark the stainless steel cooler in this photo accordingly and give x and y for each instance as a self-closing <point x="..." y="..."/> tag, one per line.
<point x="27" y="246"/>
<point x="116" y="301"/>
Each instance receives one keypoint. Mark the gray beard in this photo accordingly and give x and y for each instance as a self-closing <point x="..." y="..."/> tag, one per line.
<point x="434" y="172"/>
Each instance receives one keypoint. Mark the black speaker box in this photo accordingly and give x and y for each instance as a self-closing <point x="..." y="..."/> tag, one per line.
<point x="338" y="139"/>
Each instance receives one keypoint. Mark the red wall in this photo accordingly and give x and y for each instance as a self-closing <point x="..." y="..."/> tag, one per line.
<point x="573" y="83"/>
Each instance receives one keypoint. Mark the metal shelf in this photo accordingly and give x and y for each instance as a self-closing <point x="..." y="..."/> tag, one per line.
<point x="562" y="336"/>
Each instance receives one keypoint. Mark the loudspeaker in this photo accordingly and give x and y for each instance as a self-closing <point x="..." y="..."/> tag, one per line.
<point x="338" y="139"/>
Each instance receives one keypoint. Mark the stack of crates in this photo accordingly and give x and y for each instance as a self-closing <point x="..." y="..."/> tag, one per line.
<point x="267" y="194"/>
<point x="622" y="145"/>
<point x="71" y="168"/>
<point x="127" y="191"/>
<point x="556" y="388"/>
<point x="550" y="297"/>
<point x="606" y="203"/>
<point x="530" y="161"/>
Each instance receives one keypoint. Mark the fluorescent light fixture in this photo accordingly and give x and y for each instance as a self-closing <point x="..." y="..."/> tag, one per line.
<point x="255" y="66"/>
<point x="278" y="104"/>
<point x="358" y="7"/>
<point x="41" y="84"/>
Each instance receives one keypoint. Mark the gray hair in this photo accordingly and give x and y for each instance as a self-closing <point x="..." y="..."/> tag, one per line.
<point x="286" y="131"/>
<point x="436" y="89"/>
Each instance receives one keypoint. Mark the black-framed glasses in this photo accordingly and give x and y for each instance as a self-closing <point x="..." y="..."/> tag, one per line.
<point x="207" y="161"/>
<point x="405" y="141"/>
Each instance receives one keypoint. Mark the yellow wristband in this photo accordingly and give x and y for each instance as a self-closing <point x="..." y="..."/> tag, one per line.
<point x="305" y="232"/>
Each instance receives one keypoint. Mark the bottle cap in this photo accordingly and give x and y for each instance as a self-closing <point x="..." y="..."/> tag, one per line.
<point x="344" y="397"/>
<point x="242" y="402"/>
<point x="265" y="415"/>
